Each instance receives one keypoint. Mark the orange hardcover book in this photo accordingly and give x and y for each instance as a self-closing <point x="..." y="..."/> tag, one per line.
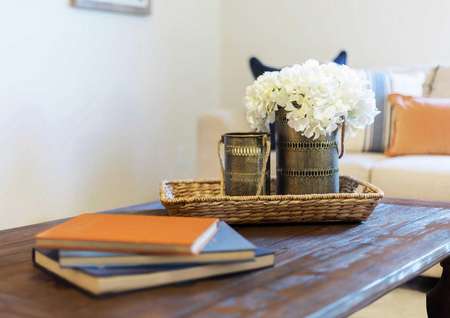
<point x="130" y="233"/>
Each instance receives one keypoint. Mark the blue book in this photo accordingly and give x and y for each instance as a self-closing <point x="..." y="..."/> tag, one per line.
<point x="226" y="246"/>
<point x="105" y="280"/>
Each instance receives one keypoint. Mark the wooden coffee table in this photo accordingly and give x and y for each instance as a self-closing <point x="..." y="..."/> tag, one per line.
<point x="321" y="271"/>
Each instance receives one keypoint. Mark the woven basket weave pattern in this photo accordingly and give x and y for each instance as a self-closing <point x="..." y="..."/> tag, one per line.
<point x="355" y="202"/>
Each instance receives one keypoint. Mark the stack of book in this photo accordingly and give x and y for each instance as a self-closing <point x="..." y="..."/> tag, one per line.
<point x="109" y="253"/>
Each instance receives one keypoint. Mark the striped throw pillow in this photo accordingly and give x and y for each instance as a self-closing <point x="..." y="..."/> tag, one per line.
<point x="375" y="137"/>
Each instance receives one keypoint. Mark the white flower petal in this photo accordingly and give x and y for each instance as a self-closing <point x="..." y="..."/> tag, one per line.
<point x="317" y="98"/>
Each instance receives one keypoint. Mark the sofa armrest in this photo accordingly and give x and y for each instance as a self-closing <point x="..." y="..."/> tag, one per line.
<point x="210" y="127"/>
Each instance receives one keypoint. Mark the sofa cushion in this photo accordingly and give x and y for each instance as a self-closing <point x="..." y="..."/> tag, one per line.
<point x="258" y="68"/>
<point x="419" y="125"/>
<point x="421" y="177"/>
<point x="383" y="82"/>
<point x="440" y="82"/>
<point x="408" y="83"/>
<point x="406" y="177"/>
<point x="359" y="165"/>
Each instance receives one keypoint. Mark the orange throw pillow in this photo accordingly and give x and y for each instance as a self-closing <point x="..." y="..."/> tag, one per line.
<point x="420" y="125"/>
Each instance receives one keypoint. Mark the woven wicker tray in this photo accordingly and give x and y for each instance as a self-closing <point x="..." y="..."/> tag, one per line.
<point x="354" y="203"/>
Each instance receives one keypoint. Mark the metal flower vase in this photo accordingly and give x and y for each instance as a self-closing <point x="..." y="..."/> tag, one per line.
<point x="305" y="165"/>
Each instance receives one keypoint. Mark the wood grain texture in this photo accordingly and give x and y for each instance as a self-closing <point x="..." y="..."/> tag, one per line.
<point x="321" y="271"/>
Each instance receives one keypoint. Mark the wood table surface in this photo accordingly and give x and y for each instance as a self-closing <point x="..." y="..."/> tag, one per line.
<point x="322" y="270"/>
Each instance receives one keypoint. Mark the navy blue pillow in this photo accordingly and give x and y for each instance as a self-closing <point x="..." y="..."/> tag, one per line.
<point x="259" y="68"/>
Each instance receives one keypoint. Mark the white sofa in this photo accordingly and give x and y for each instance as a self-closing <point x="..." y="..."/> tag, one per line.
<point x="411" y="177"/>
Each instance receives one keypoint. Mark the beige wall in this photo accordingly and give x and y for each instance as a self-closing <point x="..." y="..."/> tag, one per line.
<point x="375" y="33"/>
<point x="97" y="108"/>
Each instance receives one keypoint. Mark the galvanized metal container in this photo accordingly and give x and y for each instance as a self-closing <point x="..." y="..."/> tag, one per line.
<point x="305" y="165"/>
<point x="246" y="167"/>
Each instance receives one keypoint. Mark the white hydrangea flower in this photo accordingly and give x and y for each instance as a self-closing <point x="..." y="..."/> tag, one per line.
<point x="261" y="101"/>
<point x="318" y="98"/>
